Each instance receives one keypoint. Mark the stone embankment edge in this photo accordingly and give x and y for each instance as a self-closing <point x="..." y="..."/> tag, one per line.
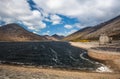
<point x="110" y="59"/>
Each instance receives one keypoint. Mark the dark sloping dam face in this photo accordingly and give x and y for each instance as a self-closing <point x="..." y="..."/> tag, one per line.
<point x="50" y="54"/>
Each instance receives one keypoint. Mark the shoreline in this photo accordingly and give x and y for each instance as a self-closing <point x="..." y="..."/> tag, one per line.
<point x="15" y="72"/>
<point x="110" y="59"/>
<point x="33" y="72"/>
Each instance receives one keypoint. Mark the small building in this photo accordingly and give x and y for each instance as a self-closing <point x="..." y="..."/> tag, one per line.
<point x="104" y="39"/>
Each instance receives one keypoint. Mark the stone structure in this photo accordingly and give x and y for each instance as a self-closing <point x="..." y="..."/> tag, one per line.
<point x="104" y="39"/>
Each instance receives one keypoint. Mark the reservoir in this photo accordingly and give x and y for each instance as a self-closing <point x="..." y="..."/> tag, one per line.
<point x="47" y="54"/>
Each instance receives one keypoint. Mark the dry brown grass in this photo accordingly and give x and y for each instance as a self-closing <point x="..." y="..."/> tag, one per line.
<point x="103" y="55"/>
<point x="14" y="72"/>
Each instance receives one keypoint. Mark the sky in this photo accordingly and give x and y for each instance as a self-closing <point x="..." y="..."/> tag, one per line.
<point x="63" y="17"/>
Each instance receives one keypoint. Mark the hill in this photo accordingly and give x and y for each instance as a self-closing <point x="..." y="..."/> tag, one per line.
<point x="59" y="37"/>
<point x="14" y="32"/>
<point x="111" y="28"/>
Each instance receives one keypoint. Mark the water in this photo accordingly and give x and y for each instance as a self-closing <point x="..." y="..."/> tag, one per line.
<point x="48" y="54"/>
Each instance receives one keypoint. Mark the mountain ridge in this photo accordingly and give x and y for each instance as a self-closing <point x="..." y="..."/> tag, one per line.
<point x="59" y="37"/>
<point x="110" y="27"/>
<point x="14" y="32"/>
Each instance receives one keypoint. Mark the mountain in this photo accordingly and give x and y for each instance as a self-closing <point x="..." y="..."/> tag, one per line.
<point x="50" y="38"/>
<point x="14" y="32"/>
<point x="59" y="37"/>
<point x="110" y="28"/>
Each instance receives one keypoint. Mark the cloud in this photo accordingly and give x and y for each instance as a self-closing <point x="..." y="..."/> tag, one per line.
<point x="70" y="32"/>
<point x="13" y="11"/>
<point x="78" y="25"/>
<point x="36" y="33"/>
<point x="61" y="34"/>
<point x="68" y="26"/>
<point x="66" y="33"/>
<point x="89" y="12"/>
<point x="55" y="19"/>
<point x="46" y="33"/>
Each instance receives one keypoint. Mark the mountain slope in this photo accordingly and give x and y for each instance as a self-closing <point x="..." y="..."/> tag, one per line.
<point x="111" y="28"/>
<point x="50" y="38"/>
<point x="59" y="37"/>
<point x="14" y="32"/>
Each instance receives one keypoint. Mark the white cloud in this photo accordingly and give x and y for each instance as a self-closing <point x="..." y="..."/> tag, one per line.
<point x="78" y="25"/>
<point x="55" y="4"/>
<point x="19" y="11"/>
<point x="68" y="26"/>
<point x="89" y="12"/>
<point x="46" y="33"/>
<point x="70" y="32"/>
<point x="61" y="34"/>
<point x="66" y="33"/>
<point x="35" y="32"/>
<point x="55" y="19"/>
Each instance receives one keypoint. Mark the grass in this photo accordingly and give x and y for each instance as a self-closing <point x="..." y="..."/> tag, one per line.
<point x="78" y="40"/>
<point x="17" y="72"/>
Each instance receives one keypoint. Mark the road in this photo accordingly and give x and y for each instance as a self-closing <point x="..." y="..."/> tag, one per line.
<point x="51" y="54"/>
